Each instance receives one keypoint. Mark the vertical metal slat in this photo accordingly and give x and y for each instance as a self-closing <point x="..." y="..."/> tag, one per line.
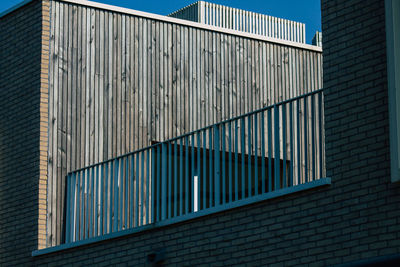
<point x="116" y="195"/>
<point x="230" y="160"/>
<point x="217" y="166"/>
<point x="277" y="146"/>
<point x="249" y="162"/>
<point x="284" y="146"/>
<point x="223" y="150"/>
<point x="186" y="175"/>
<point x="163" y="181"/>
<point x="269" y="151"/>
<point x="262" y="153"/>
<point x="243" y="151"/>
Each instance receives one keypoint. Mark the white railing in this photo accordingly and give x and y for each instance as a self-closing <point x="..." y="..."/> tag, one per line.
<point x="242" y="20"/>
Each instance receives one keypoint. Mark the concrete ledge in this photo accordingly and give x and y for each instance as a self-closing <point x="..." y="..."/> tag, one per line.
<point x="240" y="203"/>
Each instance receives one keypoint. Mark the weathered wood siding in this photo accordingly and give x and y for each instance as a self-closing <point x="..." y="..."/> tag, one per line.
<point x="119" y="82"/>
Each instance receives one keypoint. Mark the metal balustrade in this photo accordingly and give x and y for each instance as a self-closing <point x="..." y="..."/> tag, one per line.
<point x="267" y="150"/>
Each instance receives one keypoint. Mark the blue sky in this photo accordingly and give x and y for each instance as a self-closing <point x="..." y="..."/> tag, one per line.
<point x="306" y="11"/>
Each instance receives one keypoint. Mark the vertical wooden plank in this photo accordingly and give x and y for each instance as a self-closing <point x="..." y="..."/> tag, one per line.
<point x="141" y="61"/>
<point x="90" y="96"/>
<point x="160" y="97"/>
<point x="135" y="111"/>
<point x="63" y="128"/>
<point x="170" y="79"/>
<point x="95" y="69"/>
<point x="151" y="68"/>
<point x="197" y="75"/>
<point x="203" y="77"/>
<point x="132" y="88"/>
<point x="72" y="69"/>
<point x="54" y="117"/>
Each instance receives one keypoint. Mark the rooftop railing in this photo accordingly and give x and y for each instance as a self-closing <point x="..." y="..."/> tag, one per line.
<point x="265" y="151"/>
<point x="242" y="20"/>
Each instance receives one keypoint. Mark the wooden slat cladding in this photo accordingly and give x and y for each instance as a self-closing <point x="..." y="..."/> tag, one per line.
<point x="119" y="82"/>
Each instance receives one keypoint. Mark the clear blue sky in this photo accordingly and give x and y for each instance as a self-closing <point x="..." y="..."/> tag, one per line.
<point x="306" y="11"/>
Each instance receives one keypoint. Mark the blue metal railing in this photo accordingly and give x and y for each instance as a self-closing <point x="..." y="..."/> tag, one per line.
<point x="263" y="151"/>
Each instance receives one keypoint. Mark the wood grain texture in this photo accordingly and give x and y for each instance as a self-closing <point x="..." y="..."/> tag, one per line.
<point x="119" y="82"/>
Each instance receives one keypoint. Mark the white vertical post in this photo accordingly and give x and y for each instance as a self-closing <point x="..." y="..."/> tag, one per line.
<point x="195" y="193"/>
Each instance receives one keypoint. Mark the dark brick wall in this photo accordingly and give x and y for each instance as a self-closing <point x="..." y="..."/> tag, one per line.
<point x="357" y="127"/>
<point x="357" y="217"/>
<point x="20" y="35"/>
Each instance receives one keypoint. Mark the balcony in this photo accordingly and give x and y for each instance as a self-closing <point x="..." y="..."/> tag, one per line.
<point x="270" y="152"/>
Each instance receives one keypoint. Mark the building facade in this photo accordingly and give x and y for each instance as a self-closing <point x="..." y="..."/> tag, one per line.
<point x="354" y="217"/>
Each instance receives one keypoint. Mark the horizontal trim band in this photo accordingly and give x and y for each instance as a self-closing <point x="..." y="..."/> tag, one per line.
<point x="240" y="203"/>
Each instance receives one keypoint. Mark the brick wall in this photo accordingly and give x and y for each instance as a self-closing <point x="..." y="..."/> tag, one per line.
<point x="22" y="140"/>
<point x="357" y="217"/>
<point x="357" y="127"/>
